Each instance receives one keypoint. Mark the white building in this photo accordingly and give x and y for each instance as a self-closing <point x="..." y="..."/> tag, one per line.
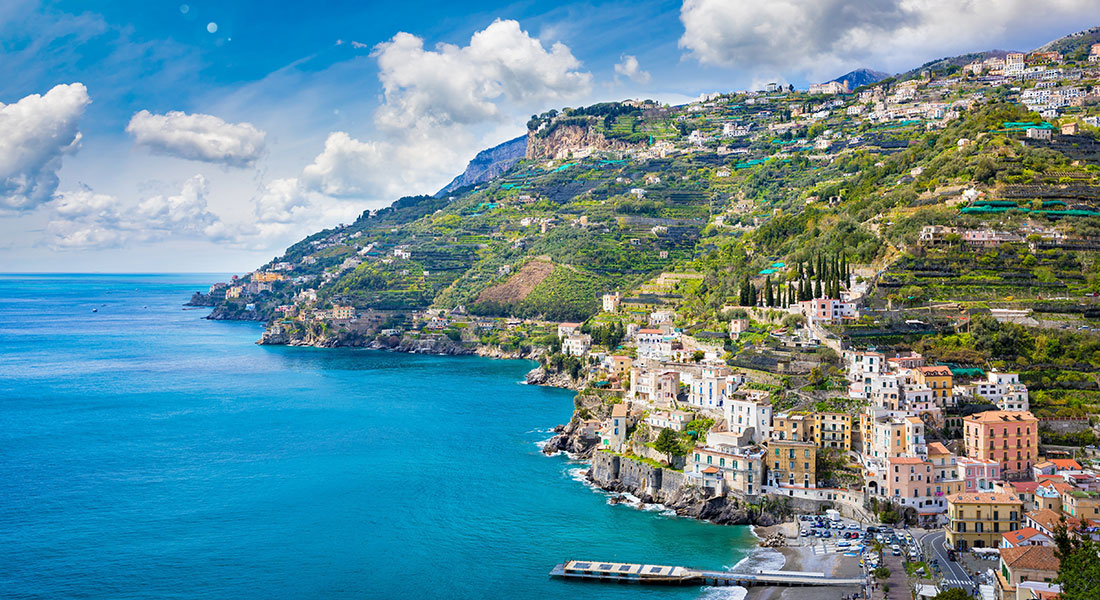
<point x="611" y="302"/>
<point x="576" y="344"/>
<point x="613" y="435"/>
<point x="749" y="411"/>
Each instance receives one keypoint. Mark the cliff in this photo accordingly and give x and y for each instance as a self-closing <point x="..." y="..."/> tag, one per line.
<point x="488" y="164"/>
<point x="653" y="485"/>
<point x="565" y="139"/>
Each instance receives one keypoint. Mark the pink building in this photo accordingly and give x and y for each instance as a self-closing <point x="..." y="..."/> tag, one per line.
<point x="978" y="474"/>
<point x="827" y="310"/>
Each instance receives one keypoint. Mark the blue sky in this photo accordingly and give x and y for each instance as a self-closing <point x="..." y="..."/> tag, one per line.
<point x="207" y="136"/>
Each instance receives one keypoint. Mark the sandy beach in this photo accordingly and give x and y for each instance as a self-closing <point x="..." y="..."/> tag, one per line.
<point x="800" y="556"/>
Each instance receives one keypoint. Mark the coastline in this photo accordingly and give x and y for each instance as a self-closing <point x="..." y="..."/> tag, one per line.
<point x="799" y="557"/>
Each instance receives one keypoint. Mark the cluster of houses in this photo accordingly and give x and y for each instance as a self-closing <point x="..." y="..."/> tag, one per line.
<point x="989" y="489"/>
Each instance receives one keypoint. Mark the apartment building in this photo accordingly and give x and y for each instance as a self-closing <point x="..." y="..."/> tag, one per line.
<point x="1008" y="437"/>
<point x="749" y="411"/>
<point x="792" y="463"/>
<point x="938" y="379"/>
<point x="833" y="430"/>
<point x="793" y="427"/>
<point x="977" y="520"/>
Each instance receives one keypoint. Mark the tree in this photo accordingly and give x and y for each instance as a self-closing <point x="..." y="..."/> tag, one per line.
<point x="667" y="444"/>
<point x="1079" y="571"/>
<point x="952" y="594"/>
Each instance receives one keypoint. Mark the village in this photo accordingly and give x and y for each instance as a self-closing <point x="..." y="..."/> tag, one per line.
<point x="780" y="394"/>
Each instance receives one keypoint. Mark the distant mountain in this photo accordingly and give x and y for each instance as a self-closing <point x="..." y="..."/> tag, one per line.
<point x="488" y="164"/>
<point x="861" y="77"/>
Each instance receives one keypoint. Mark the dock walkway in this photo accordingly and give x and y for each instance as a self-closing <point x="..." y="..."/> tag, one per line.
<point x="670" y="575"/>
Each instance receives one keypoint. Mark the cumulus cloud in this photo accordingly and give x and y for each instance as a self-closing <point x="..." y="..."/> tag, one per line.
<point x="281" y="201"/>
<point x="198" y="137"/>
<point x="628" y="67"/>
<point x="467" y="84"/>
<point x="84" y="219"/>
<point x="350" y="168"/>
<point x="820" y="38"/>
<point x="35" y="133"/>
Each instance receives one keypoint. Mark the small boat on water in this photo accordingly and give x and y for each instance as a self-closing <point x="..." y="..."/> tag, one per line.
<point x="95" y="310"/>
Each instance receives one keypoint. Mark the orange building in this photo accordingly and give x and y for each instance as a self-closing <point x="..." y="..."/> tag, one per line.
<point x="1008" y="437"/>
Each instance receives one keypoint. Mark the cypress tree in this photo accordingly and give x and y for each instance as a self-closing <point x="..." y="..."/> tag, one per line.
<point x="817" y="289"/>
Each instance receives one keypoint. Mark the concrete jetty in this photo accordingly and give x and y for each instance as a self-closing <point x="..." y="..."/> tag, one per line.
<point x="671" y="575"/>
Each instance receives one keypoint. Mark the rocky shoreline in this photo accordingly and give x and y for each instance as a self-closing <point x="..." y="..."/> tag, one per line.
<point x="650" y="484"/>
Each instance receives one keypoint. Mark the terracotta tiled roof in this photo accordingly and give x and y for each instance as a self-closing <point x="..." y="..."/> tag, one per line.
<point x="1066" y="464"/>
<point x="1002" y="416"/>
<point x="983" y="498"/>
<point x="1038" y="558"/>
<point x="1049" y="519"/>
<point x="1026" y="487"/>
<point x="937" y="448"/>
<point x="1021" y="535"/>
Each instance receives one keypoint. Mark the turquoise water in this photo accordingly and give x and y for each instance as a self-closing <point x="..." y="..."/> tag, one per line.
<point x="148" y="453"/>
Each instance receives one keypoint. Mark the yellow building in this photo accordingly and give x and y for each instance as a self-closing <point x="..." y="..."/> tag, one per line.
<point x="1081" y="504"/>
<point x="262" y="276"/>
<point x="620" y="365"/>
<point x="977" y="520"/>
<point x="792" y="463"/>
<point x="833" y="430"/>
<point x="793" y="427"/>
<point x="939" y="380"/>
<point x="343" y="312"/>
<point x="1008" y="437"/>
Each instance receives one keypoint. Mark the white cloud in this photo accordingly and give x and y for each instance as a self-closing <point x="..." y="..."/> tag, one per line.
<point x="628" y="67"/>
<point x="823" y="38"/>
<point x="439" y="107"/>
<point x="35" y="133"/>
<point x="282" y="201"/>
<point x="383" y="170"/>
<point x="84" y="219"/>
<point x="198" y="137"/>
<point x="464" y="85"/>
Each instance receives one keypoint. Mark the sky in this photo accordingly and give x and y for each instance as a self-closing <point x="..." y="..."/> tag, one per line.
<point x="203" y="136"/>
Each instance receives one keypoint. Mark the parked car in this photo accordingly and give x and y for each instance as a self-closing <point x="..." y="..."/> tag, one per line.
<point x="805" y="532"/>
<point x="897" y="552"/>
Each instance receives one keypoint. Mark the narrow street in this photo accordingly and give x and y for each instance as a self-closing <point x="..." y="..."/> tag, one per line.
<point x="954" y="574"/>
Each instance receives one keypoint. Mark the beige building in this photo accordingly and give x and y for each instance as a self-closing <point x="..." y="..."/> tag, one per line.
<point x="977" y="520"/>
<point x="792" y="463"/>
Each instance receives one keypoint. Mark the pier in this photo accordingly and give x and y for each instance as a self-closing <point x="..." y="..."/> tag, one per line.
<point x="669" y="575"/>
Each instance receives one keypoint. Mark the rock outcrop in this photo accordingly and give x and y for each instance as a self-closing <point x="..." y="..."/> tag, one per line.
<point x="540" y="376"/>
<point x="654" y="485"/>
<point x="488" y="164"/>
<point x="566" y="139"/>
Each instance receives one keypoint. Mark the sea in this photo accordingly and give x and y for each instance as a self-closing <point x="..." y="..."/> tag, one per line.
<point x="146" y="452"/>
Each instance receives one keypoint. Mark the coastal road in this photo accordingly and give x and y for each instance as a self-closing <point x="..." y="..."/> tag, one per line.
<point x="954" y="574"/>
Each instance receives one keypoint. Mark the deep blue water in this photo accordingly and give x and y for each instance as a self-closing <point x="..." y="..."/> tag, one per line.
<point x="148" y="453"/>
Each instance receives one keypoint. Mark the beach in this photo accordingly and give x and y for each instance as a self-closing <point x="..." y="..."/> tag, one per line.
<point x="800" y="555"/>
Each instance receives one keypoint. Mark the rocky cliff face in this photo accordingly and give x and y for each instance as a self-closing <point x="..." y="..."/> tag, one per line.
<point x="488" y="164"/>
<point x="653" y="485"/>
<point x="565" y="139"/>
<point x="540" y="376"/>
